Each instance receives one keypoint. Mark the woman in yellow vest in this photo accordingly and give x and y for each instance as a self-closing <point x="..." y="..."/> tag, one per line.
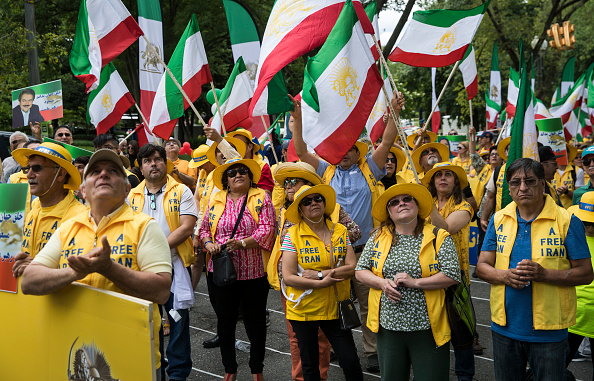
<point x="318" y="260"/>
<point x="237" y="180"/>
<point x="394" y="164"/>
<point x="407" y="279"/>
<point x="463" y="159"/>
<point x="293" y="176"/>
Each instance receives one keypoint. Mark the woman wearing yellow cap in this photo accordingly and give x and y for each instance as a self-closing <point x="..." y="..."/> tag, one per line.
<point x="408" y="263"/>
<point x="318" y="260"/>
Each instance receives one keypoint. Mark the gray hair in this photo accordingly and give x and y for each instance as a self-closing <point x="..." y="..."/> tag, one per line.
<point x="17" y="134"/>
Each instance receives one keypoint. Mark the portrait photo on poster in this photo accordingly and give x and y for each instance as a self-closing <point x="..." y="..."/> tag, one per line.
<point x="38" y="103"/>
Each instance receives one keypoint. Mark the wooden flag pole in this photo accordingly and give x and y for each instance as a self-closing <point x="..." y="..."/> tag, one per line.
<point x="441" y="94"/>
<point x="384" y="63"/>
<point x="507" y="123"/>
<point x="152" y="48"/>
<point x="400" y="131"/>
<point x="214" y="92"/>
<point x="269" y="138"/>
<point x="470" y="108"/>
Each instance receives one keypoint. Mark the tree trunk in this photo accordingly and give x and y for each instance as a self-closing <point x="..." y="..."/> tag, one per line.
<point x="390" y="44"/>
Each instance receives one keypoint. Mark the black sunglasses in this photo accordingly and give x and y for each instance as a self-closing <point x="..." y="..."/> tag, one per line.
<point x="530" y="182"/>
<point x="428" y="151"/>
<point x="293" y="181"/>
<point x="587" y="161"/>
<point x="405" y="200"/>
<point x="317" y="198"/>
<point x="67" y="134"/>
<point x="36" y="168"/>
<point x="391" y="160"/>
<point x="234" y="171"/>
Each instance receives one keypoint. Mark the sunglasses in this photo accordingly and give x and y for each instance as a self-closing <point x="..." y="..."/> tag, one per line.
<point x="530" y="182"/>
<point x="66" y="134"/>
<point x="405" y="200"/>
<point x="428" y="151"/>
<point x="391" y="160"/>
<point x="292" y="182"/>
<point x="318" y="198"/>
<point x="461" y="147"/>
<point x="36" y="168"/>
<point x="234" y="171"/>
<point x="153" y="203"/>
<point x="587" y="162"/>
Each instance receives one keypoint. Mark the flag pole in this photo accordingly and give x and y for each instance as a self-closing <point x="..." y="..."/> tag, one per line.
<point x="152" y="48"/>
<point x="384" y="64"/>
<point x="214" y="92"/>
<point x="441" y="94"/>
<point x="400" y="131"/>
<point x="470" y="108"/>
<point x="269" y="138"/>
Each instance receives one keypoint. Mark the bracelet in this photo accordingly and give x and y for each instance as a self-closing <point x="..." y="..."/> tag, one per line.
<point x="207" y="242"/>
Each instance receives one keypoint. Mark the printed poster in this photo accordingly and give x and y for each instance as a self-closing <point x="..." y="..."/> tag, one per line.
<point x="78" y="333"/>
<point x="12" y="219"/>
<point x="38" y="103"/>
<point x="453" y="141"/>
<point x="550" y="133"/>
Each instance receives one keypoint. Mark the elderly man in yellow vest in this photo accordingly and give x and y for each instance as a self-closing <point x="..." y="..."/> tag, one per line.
<point x="355" y="181"/>
<point x="51" y="178"/>
<point x="172" y="205"/>
<point x="534" y="254"/>
<point x="139" y="264"/>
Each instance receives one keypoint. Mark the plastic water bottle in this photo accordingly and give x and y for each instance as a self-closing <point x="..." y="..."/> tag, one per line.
<point x="242" y="346"/>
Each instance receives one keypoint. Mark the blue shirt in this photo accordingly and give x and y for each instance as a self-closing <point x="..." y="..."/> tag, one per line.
<point x="353" y="193"/>
<point x="518" y="302"/>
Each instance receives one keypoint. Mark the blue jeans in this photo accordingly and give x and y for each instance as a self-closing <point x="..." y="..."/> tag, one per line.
<point x="547" y="360"/>
<point x="464" y="366"/>
<point x="179" y="347"/>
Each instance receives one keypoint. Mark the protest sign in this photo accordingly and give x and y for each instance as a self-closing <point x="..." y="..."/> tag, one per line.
<point x="550" y="133"/>
<point x="37" y="103"/>
<point x="12" y="218"/>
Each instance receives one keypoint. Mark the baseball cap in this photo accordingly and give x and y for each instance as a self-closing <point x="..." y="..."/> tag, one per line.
<point x="105" y="154"/>
<point x="588" y="151"/>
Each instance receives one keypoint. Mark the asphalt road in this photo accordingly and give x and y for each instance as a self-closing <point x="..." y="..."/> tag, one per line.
<point x="277" y="366"/>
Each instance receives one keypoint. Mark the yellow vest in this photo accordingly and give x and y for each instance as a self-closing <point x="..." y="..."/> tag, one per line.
<point x="407" y="173"/>
<point x="208" y="188"/>
<point x="481" y="181"/>
<point x="201" y="183"/>
<point x="78" y="237"/>
<point x="312" y="254"/>
<point x="499" y="187"/>
<point x="41" y="223"/>
<point x="438" y="317"/>
<point x="553" y="306"/>
<point x="565" y="179"/>
<point x="18" y="178"/>
<point x="278" y="193"/>
<point x="464" y="164"/>
<point x="217" y="207"/>
<point x="275" y="254"/>
<point x="171" y="203"/>
<point x="371" y="182"/>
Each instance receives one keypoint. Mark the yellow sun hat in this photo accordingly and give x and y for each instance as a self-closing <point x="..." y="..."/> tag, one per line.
<point x="326" y="191"/>
<point x="379" y="210"/>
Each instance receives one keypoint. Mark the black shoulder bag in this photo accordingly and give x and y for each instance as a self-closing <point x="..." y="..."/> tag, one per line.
<point x="223" y="270"/>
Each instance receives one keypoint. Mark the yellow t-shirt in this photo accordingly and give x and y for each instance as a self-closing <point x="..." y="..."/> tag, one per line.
<point x="183" y="167"/>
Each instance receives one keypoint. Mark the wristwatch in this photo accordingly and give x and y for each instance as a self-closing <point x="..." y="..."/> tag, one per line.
<point x="243" y="244"/>
<point x="320" y="275"/>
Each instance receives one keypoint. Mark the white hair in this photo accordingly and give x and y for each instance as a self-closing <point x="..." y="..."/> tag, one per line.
<point x="17" y="134"/>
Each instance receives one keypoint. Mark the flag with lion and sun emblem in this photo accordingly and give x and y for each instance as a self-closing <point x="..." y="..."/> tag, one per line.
<point x="437" y="37"/>
<point x="340" y="86"/>
<point x="108" y="102"/>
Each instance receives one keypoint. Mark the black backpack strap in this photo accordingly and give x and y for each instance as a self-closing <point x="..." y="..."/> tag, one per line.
<point x="496" y="175"/>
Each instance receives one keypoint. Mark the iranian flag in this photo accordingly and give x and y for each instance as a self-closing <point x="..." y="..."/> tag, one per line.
<point x="104" y="29"/>
<point x="493" y="109"/>
<point x="566" y="81"/>
<point x="438" y="37"/>
<point x="495" y="86"/>
<point x="375" y="123"/>
<point x="469" y="73"/>
<point x="293" y="29"/>
<point x="564" y="107"/>
<point x="108" y="102"/>
<point x="340" y="86"/>
<point x="524" y="135"/>
<point x="513" y="90"/>
<point x="540" y="110"/>
<point x="190" y="67"/>
<point x="436" y="117"/>
<point x="235" y="98"/>
<point x="149" y="68"/>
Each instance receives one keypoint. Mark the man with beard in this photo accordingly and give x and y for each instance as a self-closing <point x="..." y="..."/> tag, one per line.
<point x="588" y="163"/>
<point x="172" y="205"/>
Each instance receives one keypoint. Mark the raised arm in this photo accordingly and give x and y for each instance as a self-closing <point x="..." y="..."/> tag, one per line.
<point x="300" y="146"/>
<point x="381" y="153"/>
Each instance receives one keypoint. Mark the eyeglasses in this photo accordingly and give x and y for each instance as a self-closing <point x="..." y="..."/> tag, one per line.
<point x="153" y="203"/>
<point x="587" y="162"/>
<point x="234" y="171"/>
<point x="61" y="134"/>
<point x="530" y="182"/>
<point x="293" y="181"/>
<point x="428" y="151"/>
<point x="36" y="168"/>
<point x="318" y="198"/>
<point x="461" y="147"/>
<point x="395" y="202"/>
<point x="391" y="160"/>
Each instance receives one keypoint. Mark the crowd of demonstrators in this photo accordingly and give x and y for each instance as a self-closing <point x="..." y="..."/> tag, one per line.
<point x="315" y="231"/>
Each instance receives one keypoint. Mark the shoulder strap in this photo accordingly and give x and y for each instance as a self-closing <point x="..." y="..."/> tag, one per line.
<point x="496" y="175"/>
<point x="240" y="215"/>
<point x="573" y="176"/>
<point x="435" y="231"/>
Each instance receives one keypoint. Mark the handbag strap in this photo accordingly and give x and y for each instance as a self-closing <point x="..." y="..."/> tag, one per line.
<point x="240" y="215"/>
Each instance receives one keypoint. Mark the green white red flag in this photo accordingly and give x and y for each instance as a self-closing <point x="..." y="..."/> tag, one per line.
<point x="566" y="81"/>
<point x="540" y="110"/>
<point x="513" y="90"/>
<point x="469" y="72"/>
<point x="190" y="67"/>
<point x="235" y="98"/>
<point x="293" y="29"/>
<point x="104" y="29"/>
<point x="436" y="118"/>
<point x="375" y="125"/>
<point x="564" y="107"/>
<point x="340" y="86"/>
<point x="438" y="37"/>
<point x="493" y="109"/>
<point x="150" y="69"/>
<point x="109" y="101"/>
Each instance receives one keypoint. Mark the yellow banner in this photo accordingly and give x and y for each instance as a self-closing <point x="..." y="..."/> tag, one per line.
<point x="78" y="331"/>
